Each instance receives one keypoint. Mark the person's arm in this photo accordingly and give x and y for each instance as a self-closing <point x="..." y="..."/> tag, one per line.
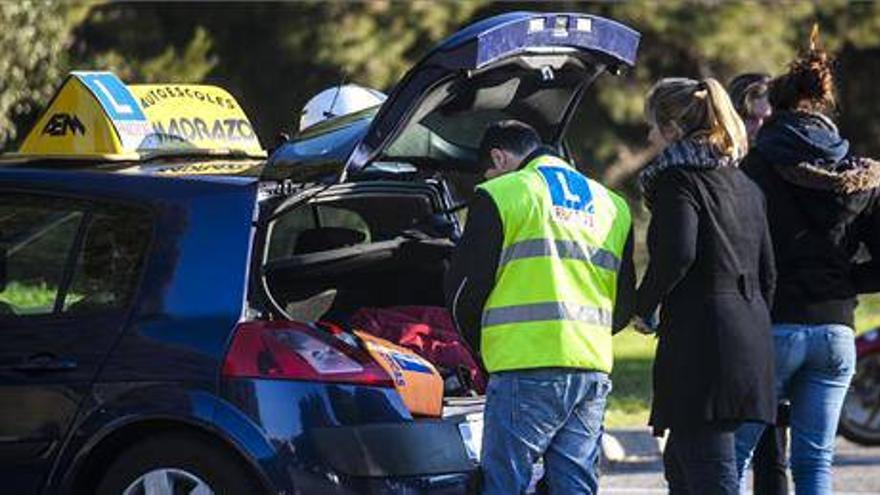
<point x="626" y="287"/>
<point x="672" y="241"/>
<point x="471" y="275"/>
<point x="866" y="275"/>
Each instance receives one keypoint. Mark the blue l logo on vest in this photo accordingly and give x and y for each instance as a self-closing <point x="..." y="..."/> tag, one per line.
<point x="114" y="97"/>
<point x="568" y="188"/>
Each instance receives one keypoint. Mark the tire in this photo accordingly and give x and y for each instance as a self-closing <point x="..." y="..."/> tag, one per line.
<point x="860" y="417"/>
<point x="185" y="461"/>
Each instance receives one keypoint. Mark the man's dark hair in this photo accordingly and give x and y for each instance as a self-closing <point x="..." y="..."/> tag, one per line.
<point x="513" y="136"/>
<point x="746" y="86"/>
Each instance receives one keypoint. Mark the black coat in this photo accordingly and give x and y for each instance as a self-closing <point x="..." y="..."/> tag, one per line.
<point x="712" y="272"/>
<point x="822" y="209"/>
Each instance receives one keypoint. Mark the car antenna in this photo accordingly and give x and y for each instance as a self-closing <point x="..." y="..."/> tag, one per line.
<point x="329" y="112"/>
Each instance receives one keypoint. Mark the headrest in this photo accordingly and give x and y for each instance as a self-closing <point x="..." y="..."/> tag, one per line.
<point x="326" y="238"/>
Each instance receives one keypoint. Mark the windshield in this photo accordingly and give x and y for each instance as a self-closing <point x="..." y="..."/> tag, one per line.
<point x="449" y="123"/>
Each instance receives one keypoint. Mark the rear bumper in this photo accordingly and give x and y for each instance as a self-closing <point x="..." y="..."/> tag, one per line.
<point x="394" y="449"/>
<point x="344" y="439"/>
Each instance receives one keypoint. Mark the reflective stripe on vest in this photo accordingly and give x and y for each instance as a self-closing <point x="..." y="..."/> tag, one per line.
<point x="534" y="248"/>
<point x="556" y="282"/>
<point x="546" y="312"/>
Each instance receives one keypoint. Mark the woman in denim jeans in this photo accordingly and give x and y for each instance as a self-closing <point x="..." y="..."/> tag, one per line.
<point x="822" y="204"/>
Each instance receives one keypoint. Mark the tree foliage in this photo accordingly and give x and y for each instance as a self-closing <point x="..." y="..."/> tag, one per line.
<point x="377" y="42"/>
<point x="34" y="40"/>
<point x="274" y="56"/>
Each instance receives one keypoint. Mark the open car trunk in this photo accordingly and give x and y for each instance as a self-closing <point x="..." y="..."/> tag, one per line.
<point x="529" y="66"/>
<point x="333" y="284"/>
<point x="361" y="256"/>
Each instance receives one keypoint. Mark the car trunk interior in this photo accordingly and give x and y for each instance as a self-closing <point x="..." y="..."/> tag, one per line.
<point x="332" y="284"/>
<point x="363" y="248"/>
<point x="374" y="245"/>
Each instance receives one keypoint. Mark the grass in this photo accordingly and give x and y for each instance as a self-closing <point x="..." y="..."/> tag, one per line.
<point x="868" y="313"/>
<point x="631" y="395"/>
<point x="630" y="400"/>
<point x="28" y="296"/>
<point x="33" y="299"/>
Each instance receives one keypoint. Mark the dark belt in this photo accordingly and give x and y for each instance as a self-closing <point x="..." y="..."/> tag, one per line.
<point x="744" y="284"/>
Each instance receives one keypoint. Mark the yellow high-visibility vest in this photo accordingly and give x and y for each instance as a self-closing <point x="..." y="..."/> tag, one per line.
<point x="556" y="282"/>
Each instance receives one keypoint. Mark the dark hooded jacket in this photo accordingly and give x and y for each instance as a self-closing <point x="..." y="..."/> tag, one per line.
<point x="822" y="205"/>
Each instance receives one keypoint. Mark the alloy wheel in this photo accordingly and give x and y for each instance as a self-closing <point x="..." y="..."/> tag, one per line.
<point x="168" y="481"/>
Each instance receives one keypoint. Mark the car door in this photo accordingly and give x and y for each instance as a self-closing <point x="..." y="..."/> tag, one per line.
<point x="68" y="269"/>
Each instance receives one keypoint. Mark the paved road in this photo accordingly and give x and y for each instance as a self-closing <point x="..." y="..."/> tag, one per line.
<point x="856" y="469"/>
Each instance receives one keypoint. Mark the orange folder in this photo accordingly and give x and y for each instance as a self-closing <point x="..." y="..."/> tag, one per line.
<point x="416" y="379"/>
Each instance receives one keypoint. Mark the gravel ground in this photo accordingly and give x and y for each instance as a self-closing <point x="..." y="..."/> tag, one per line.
<point x="856" y="468"/>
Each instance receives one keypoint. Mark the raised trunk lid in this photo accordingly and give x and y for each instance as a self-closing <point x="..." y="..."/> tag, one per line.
<point x="528" y="66"/>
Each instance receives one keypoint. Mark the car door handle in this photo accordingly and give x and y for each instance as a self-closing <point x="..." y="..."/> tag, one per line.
<point x="41" y="363"/>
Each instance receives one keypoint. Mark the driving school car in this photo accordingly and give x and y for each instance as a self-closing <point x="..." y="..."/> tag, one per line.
<point x="165" y="287"/>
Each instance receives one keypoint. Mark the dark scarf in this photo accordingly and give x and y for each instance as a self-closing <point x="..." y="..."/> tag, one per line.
<point x="686" y="153"/>
<point x="807" y="150"/>
<point x="793" y="138"/>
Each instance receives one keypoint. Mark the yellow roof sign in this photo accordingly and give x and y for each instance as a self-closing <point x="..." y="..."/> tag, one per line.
<point x="96" y="116"/>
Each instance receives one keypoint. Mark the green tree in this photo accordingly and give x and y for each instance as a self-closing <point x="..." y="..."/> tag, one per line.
<point x="34" y="42"/>
<point x="375" y="43"/>
<point x="44" y="40"/>
<point x="190" y="64"/>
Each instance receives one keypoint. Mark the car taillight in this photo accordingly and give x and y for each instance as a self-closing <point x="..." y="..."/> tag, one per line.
<point x="283" y="350"/>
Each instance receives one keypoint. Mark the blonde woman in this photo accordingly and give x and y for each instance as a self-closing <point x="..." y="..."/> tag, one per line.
<point x="711" y="273"/>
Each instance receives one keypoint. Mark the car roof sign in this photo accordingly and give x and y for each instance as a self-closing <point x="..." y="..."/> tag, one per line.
<point x="95" y="116"/>
<point x="197" y="116"/>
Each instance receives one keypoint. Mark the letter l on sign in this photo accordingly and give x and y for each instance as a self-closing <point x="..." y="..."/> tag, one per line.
<point x="118" y="107"/>
<point x="569" y="196"/>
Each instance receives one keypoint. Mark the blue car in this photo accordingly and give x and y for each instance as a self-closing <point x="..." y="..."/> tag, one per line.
<point x="159" y="315"/>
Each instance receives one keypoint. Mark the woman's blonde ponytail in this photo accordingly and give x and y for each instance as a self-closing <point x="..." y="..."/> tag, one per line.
<point x="698" y="109"/>
<point x="726" y="129"/>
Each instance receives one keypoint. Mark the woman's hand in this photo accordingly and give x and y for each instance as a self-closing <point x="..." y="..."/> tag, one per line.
<point x="644" y="326"/>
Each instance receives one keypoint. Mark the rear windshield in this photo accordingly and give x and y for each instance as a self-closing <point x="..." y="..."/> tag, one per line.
<point x="450" y="121"/>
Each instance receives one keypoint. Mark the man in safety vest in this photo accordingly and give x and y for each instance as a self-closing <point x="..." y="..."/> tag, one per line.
<point x="541" y="279"/>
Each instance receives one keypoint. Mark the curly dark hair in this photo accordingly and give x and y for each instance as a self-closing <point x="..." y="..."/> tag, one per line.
<point x="809" y="83"/>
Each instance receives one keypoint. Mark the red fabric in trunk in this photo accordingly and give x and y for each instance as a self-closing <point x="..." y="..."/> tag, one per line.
<point x="427" y="330"/>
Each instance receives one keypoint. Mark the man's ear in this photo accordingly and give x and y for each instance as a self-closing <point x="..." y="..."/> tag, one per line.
<point x="498" y="158"/>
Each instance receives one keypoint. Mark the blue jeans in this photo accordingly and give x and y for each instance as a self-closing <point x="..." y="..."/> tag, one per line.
<point x="814" y="366"/>
<point x="551" y="413"/>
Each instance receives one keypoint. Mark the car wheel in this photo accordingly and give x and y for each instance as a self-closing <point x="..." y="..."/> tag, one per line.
<point x="177" y="464"/>
<point x="860" y="416"/>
